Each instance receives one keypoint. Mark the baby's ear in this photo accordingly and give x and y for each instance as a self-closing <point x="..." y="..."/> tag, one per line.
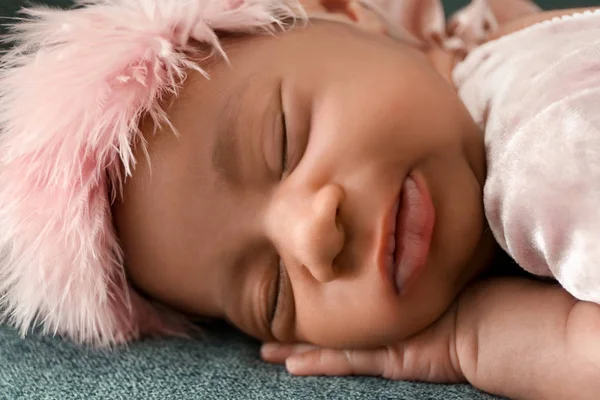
<point x="420" y="22"/>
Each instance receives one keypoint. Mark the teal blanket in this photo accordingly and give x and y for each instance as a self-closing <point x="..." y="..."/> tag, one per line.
<point x="223" y="365"/>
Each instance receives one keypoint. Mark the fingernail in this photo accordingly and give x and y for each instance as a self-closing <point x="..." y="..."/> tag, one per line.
<point x="294" y="364"/>
<point x="269" y="348"/>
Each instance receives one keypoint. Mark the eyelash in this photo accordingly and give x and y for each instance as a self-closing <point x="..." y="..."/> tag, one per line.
<point x="277" y="293"/>
<point x="284" y="147"/>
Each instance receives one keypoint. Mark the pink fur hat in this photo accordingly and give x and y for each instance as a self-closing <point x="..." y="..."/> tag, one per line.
<point x="72" y="92"/>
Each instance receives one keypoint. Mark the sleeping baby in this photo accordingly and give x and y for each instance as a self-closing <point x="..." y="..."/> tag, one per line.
<point x="331" y="177"/>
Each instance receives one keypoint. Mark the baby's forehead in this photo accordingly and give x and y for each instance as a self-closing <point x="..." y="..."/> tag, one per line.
<point x="298" y="37"/>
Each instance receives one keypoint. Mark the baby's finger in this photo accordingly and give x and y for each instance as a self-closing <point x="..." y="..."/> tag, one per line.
<point x="339" y="362"/>
<point x="277" y="353"/>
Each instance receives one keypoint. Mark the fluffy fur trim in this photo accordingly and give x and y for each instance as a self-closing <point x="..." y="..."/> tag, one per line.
<point x="72" y="92"/>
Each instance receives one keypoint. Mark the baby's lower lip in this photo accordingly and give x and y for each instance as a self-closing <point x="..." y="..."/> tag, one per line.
<point x="414" y="228"/>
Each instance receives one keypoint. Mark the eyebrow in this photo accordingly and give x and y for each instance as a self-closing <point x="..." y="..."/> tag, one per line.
<point x="226" y="151"/>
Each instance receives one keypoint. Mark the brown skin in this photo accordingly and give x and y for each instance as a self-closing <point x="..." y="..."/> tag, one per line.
<point x="358" y="113"/>
<point x="511" y="337"/>
<point x="182" y="226"/>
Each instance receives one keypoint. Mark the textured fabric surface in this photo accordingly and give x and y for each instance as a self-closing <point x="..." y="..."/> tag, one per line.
<point x="223" y="365"/>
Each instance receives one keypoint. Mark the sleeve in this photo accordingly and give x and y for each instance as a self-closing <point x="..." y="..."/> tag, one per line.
<point x="536" y="95"/>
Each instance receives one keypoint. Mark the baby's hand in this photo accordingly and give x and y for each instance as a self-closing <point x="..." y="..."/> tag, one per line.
<point x="429" y="356"/>
<point x="511" y="337"/>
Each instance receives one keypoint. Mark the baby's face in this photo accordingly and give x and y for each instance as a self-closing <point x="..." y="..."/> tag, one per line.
<point x="276" y="207"/>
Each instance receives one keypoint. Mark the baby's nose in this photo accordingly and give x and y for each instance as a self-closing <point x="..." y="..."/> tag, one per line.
<point x="316" y="234"/>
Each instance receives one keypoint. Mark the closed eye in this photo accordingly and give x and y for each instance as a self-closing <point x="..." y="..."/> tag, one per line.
<point x="284" y="139"/>
<point x="275" y="297"/>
